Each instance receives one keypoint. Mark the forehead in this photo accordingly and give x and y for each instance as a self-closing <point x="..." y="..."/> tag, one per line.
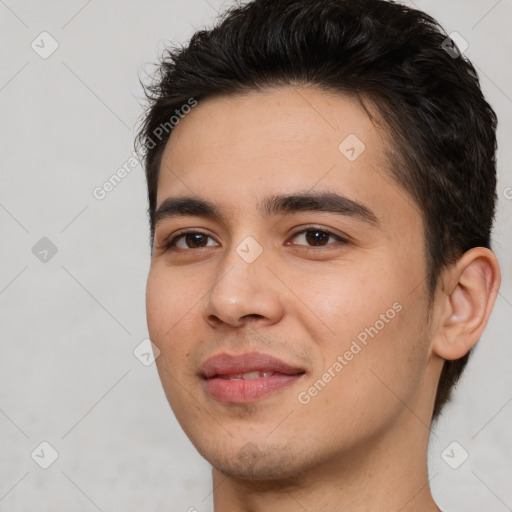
<point x="249" y="146"/>
<point x="285" y="123"/>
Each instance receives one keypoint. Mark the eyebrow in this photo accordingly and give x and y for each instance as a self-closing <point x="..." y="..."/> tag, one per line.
<point x="274" y="205"/>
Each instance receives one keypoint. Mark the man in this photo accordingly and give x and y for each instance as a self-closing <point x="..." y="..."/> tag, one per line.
<point x="321" y="182"/>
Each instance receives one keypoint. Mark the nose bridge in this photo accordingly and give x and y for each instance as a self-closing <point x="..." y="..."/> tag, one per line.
<point x="241" y="287"/>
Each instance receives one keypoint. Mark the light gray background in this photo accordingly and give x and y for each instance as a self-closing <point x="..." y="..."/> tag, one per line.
<point x="69" y="326"/>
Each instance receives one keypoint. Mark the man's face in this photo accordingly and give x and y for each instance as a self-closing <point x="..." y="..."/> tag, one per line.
<point x="347" y="315"/>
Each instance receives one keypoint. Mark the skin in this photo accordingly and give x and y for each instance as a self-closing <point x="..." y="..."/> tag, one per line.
<point x="360" y="443"/>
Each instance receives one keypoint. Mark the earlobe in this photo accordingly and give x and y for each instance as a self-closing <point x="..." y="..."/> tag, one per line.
<point x="470" y="289"/>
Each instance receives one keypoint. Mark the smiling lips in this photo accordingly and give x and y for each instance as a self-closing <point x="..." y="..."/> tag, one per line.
<point x="246" y="377"/>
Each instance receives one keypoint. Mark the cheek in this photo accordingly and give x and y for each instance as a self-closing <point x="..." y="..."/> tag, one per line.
<point x="374" y="323"/>
<point x="157" y="302"/>
<point x="348" y="298"/>
<point x="364" y="384"/>
<point x="167" y="304"/>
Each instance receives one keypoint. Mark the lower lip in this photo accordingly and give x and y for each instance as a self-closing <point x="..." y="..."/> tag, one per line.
<point x="247" y="390"/>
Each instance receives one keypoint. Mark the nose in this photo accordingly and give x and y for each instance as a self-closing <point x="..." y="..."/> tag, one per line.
<point x="243" y="293"/>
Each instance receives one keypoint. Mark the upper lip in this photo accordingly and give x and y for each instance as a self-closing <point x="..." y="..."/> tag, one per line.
<point x="227" y="364"/>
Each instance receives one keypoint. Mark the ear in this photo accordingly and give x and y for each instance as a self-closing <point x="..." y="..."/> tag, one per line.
<point x="468" y="293"/>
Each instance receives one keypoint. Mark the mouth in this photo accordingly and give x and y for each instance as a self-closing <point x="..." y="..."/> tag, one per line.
<point x="247" y="377"/>
<point x="256" y="374"/>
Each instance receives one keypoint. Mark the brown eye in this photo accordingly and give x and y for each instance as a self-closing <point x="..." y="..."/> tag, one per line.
<point x="318" y="237"/>
<point x="193" y="240"/>
<point x="188" y="240"/>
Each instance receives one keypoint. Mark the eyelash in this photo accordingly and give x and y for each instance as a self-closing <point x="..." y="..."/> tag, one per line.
<point x="168" y="245"/>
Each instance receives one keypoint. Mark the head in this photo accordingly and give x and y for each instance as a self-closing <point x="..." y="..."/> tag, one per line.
<point x="358" y="98"/>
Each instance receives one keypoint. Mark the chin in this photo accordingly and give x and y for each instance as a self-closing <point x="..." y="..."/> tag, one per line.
<point x="257" y="464"/>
